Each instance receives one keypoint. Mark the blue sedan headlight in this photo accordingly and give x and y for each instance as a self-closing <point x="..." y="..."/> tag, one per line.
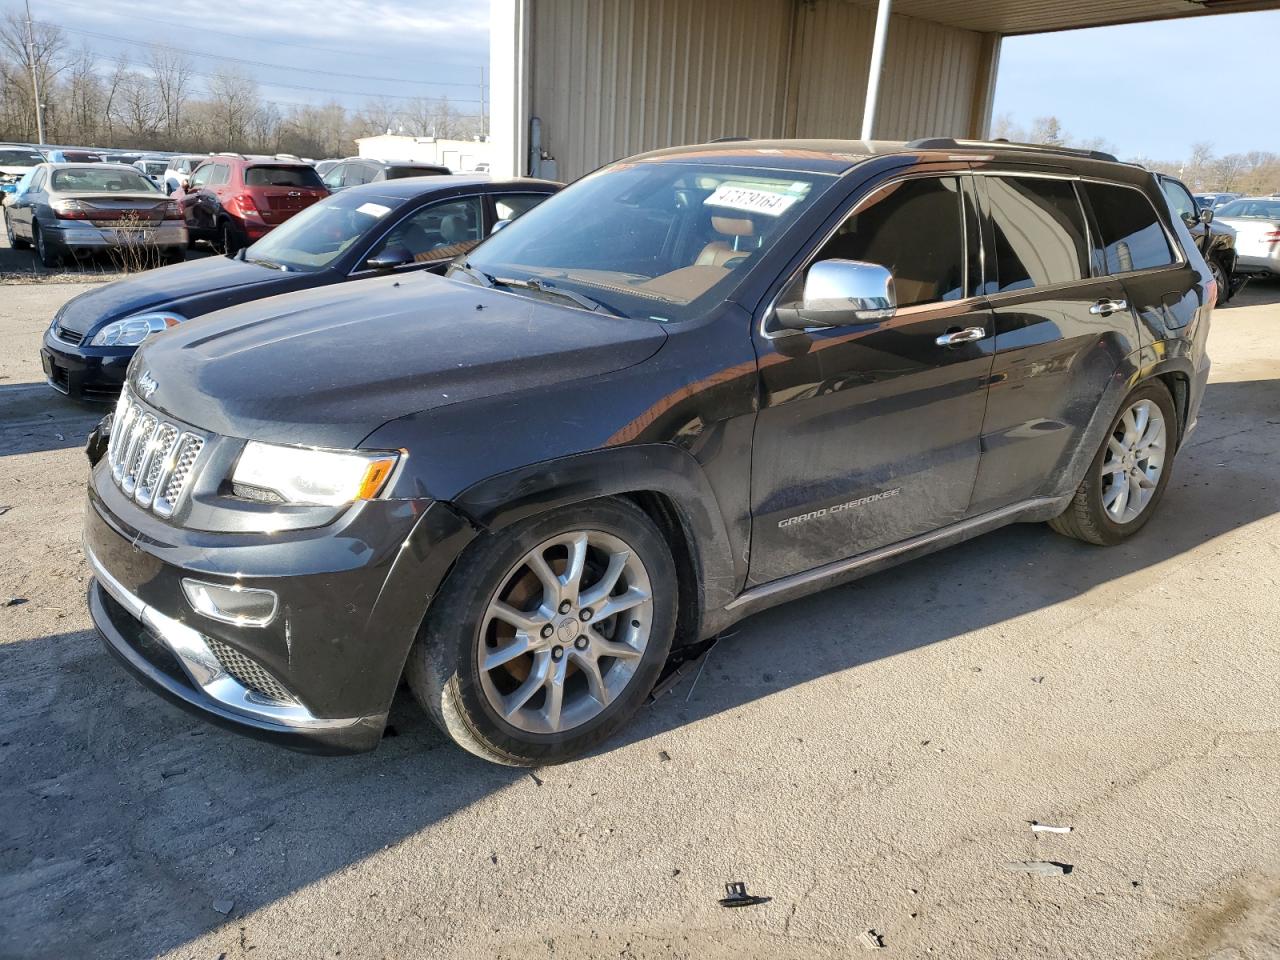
<point x="131" y="331"/>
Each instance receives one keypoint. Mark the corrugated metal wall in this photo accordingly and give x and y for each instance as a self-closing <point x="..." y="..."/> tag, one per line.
<point x="928" y="84"/>
<point x="610" y="78"/>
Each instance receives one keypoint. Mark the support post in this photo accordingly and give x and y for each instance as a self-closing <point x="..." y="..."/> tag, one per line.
<point x="35" y="77"/>
<point x="509" y="36"/>
<point x="877" y="66"/>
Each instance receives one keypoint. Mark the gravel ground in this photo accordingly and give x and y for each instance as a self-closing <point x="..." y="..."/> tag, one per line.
<point x="869" y="758"/>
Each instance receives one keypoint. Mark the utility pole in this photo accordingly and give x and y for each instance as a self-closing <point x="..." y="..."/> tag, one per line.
<point x="35" y="77"/>
<point x="484" y="129"/>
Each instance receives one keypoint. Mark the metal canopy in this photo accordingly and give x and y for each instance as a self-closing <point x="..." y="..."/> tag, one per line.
<point x="1010" y="17"/>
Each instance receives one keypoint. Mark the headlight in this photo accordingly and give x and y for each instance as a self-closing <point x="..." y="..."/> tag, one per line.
<point x="305" y="475"/>
<point x="131" y="331"/>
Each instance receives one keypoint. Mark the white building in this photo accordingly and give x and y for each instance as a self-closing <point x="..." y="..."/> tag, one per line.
<point x="459" y="156"/>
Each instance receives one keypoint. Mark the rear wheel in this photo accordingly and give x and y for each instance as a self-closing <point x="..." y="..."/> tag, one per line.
<point x="549" y="634"/>
<point x="1129" y="474"/>
<point x="49" y="255"/>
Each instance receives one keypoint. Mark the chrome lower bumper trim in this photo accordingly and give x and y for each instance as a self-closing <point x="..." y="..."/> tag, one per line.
<point x="204" y="669"/>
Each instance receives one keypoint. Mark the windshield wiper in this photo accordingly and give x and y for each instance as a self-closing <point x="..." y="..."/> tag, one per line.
<point x="542" y="286"/>
<point x="484" y="278"/>
<point x="269" y="264"/>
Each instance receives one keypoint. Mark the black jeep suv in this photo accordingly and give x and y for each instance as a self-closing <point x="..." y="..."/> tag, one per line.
<point x="694" y="384"/>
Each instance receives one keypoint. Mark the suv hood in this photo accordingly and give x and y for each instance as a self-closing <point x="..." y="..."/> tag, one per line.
<point x="327" y="367"/>
<point x="158" y="288"/>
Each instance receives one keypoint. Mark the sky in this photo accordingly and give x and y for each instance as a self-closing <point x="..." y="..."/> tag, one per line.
<point x="1151" y="89"/>
<point x="303" y="51"/>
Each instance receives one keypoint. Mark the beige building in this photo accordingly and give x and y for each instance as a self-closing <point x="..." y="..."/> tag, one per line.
<point x="584" y="82"/>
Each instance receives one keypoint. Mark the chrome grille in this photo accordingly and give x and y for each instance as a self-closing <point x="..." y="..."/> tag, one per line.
<point x="151" y="458"/>
<point x="249" y="672"/>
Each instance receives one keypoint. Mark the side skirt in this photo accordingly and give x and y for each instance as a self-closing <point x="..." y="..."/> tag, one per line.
<point x="852" y="568"/>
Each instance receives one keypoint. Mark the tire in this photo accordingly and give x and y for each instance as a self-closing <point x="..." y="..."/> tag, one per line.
<point x="50" y="256"/>
<point x="1223" y="280"/>
<point x="466" y="700"/>
<point x="228" y="241"/>
<point x="15" y="242"/>
<point x="1092" y="515"/>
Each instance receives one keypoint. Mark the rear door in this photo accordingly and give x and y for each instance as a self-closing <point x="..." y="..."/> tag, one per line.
<point x="1160" y="283"/>
<point x="1062" y="326"/>
<point x="869" y="434"/>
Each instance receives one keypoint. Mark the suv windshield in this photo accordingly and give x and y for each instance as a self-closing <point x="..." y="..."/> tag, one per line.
<point x="1251" y="209"/>
<point x="104" y="179"/>
<point x="19" y="158"/>
<point x="293" y="175"/>
<point x="319" y="234"/>
<point x="661" y="241"/>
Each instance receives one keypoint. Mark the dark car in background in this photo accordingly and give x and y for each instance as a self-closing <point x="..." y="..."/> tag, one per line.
<point x="231" y="199"/>
<point x="355" y="171"/>
<point x="1216" y="241"/>
<point x="693" y="385"/>
<point x="395" y="227"/>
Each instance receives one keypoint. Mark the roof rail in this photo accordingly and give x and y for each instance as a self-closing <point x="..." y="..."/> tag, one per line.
<point x="949" y="143"/>
<point x="231" y="153"/>
<point x="728" y="139"/>
<point x="288" y="156"/>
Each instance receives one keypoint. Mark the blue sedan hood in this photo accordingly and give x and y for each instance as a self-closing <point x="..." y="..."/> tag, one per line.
<point x="166" y="287"/>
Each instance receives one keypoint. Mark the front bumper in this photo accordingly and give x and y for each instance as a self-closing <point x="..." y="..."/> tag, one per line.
<point x="351" y="598"/>
<point x="84" y="372"/>
<point x="81" y="235"/>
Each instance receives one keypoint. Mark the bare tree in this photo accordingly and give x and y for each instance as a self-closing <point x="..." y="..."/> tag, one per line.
<point x="39" y="53"/>
<point x="1047" y="130"/>
<point x="233" y="99"/>
<point x="120" y="70"/>
<point x="171" y="72"/>
<point x="135" y="107"/>
<point x="1227" y="170"/>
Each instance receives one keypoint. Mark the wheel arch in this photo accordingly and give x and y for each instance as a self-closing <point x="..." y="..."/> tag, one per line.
<point x="664" y="481"/>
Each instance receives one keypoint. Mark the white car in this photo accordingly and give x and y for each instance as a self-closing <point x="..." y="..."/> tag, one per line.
<point x="1256" y="221"/>
<point x="178" y="172"/>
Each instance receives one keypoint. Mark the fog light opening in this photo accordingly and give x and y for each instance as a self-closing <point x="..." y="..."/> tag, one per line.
<point x="237" y="605"/>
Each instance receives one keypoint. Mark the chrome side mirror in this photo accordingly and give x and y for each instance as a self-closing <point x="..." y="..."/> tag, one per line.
<point x="841" y="292"/>
<point x="500" y="225"/>
<point x="1206" y="215"/>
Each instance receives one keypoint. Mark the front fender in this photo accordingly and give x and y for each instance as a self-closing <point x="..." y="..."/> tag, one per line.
<point x="656" y="468"/>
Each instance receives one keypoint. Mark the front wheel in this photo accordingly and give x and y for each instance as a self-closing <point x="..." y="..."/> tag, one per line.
<point x="1223" y="281"/>
<point x="15" y="242"/>
<point x="548" y="634"/>
<point x="1129" y="474"/>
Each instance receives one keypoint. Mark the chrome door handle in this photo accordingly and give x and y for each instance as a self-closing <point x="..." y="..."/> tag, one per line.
<point x="1106" y="307"/>
<point x="967" y="335"/>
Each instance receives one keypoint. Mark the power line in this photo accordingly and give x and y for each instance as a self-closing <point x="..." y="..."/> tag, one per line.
<point x="258" y="63"/>
<point x="260" y="39"/>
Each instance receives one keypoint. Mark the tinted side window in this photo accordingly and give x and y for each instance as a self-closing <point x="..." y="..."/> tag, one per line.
<point x="221" y="174"/>
<point x="334" y="177"/>
<point x="512" y="205"/>
<point x="201" y="176"/>
<point x="358" y="173"/>
<point x="1179" y="198"/>
<point x="1039" y="233"/>
<point x="440" y="231"/>
<point x="916" y="229"/>
<point x="1131" y="235"/>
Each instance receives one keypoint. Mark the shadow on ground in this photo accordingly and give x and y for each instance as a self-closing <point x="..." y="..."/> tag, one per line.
<point x="126" y="820"/>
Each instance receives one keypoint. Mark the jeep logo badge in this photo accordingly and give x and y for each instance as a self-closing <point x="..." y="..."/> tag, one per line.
<point x="146" y="384"/>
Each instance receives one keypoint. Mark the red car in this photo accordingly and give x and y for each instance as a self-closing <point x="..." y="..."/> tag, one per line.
<point x="232" y="200"/>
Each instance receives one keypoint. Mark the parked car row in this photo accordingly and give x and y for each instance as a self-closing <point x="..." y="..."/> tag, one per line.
<point x="401" y="226"/>
<point x="693" y="385"/>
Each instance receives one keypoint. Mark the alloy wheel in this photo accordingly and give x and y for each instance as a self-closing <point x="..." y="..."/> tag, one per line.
<point x="1135" y="456"/>
<point x="564" y="633"/>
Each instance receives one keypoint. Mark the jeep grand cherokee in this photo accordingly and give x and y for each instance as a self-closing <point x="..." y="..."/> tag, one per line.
<point x="695" y="384"/>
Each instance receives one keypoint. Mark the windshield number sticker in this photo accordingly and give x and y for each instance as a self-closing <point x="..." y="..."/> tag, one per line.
<point x="754" y="201"/>
<point x="373" y="209"/>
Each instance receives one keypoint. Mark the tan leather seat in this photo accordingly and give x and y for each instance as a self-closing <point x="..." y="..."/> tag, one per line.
<point x="719" y="252"/>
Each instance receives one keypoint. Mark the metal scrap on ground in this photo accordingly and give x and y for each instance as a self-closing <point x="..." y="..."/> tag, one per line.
<point x="1044" y="868"/>
<point x="736" y="896"/>
<point x="1046" y="828"/>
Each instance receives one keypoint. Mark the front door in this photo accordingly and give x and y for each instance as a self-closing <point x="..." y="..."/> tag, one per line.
<point x="869" y="434"/>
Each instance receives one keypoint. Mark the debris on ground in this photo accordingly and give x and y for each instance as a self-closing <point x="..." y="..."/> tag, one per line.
<point x="735" y="895"/>
<point x="679" y="664"/>
<point x="1044" y="868"/>
<point x="664" y="756"/>
<point x="15" y="601"/>
<point x="535" y="778"/>
<point x="224" y="907"/>
<point x="871" y="940"/>
<point x="1046" y="828"/>
<point x="4" y="510"/>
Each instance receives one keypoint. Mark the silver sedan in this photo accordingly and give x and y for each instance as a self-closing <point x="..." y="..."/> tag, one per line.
<point x="73" y="208"/>
<point x="1256" y="221"/>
